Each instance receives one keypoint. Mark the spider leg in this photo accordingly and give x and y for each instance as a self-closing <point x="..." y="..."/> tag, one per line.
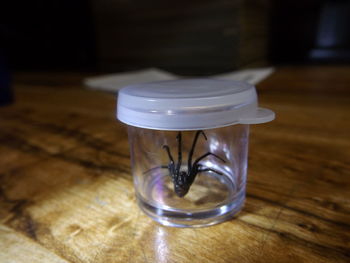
<point x="171" y="165"/>
<point x="179" y="162"/>
<point x="166" y="147"/>
<point x="199" y="168"/>
<point x="190" y="155"/>
<point x="205" y="155"/>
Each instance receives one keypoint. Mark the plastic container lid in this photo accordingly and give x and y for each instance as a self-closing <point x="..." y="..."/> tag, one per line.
<point x="190" y="104"/>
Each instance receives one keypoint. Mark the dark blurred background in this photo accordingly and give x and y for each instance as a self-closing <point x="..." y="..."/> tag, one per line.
<point x="189" y="37"/>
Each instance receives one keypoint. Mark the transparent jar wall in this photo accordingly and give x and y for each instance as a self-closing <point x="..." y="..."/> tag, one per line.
<point x="214" y="195"/>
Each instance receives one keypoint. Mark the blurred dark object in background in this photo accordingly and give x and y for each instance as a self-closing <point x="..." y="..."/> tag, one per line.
<point x="188" y="37"/>
<point x="333" y="32"/>
<point x="310" y="31"/>
<point x="6" y="93"/>
<point x="47" y="35"/>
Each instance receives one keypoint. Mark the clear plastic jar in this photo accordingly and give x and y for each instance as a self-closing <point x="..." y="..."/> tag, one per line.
<point x="189" y="147"/>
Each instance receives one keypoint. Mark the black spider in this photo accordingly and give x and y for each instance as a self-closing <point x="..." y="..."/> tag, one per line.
<point x="183" y="179"/>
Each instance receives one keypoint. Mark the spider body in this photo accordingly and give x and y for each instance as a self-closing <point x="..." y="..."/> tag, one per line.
<point x="183" y="180"/>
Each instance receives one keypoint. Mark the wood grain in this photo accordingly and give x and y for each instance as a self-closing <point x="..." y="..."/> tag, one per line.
<point x="12" y="241"/>
<point x="67" y="196"/>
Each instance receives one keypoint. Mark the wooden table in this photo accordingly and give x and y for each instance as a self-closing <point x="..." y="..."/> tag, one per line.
<point x="67" y="196"/>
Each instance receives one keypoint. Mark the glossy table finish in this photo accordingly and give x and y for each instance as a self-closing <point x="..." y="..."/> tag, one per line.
<point x="67" y="195"/>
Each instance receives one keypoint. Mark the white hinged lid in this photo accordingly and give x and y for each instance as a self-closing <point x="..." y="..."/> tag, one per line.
<point x="190" y="104"/>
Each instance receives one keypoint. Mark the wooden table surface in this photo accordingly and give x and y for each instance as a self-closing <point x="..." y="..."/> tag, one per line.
<point x="67" y="196"/>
